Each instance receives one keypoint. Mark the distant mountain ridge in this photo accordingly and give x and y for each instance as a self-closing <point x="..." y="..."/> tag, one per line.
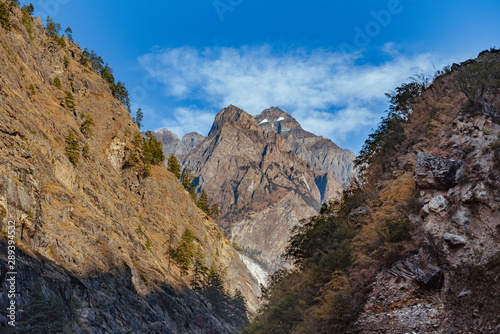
<point x="266" y="173"/>
<point x="172" y="143"/>
<point x="321" y="152"/>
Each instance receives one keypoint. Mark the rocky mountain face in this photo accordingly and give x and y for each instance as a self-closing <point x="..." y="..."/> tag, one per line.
<point x="413" y="247"/>
<point x="263" y="188"/>
<point x="320" y="152"/>
<point x="173" y="145"/>
<point x="92" y="231"/>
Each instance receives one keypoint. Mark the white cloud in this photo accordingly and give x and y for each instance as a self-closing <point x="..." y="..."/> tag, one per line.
<point x="329" y="93"/>
<point x="189" y="119"/>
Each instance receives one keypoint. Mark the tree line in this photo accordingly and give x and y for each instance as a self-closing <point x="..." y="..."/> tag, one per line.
<point x="187" y="179"/>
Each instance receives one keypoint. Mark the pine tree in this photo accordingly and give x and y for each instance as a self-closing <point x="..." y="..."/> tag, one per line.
<point x="42" y="315"/>
<point x="199" y="270"/>
<point x="214" y="291"/>
<point x="187" y="180"/>
<point x="69" y="33"/>
<point x="173" y="166"/>
<point x="96" y="61"/>
<point x="72" y="149"/>
<point x="238" y="309"/>
<point x="203" y="202"/>
<point x="87" y="126"/>
<point x="107" y="75"/>
<point x="214" y="211"/>
<point x="138" y="118"/>
<point x="184" y="252"/>
<point x="153" y="150"/>
<point x="121" y="93"/>
<point x="170" y="251"/>
<point x="4" y="17"/>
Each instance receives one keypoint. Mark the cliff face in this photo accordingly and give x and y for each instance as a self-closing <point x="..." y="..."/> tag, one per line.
<point x="102" y="230"/>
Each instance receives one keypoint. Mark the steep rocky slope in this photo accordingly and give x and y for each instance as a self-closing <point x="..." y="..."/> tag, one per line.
<point x="322" y="153"/>
<point x="413" y="245"/>
<point x="101" y="230"/>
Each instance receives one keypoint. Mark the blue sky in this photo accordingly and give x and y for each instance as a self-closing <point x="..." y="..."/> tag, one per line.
<point x="328" y="63"/>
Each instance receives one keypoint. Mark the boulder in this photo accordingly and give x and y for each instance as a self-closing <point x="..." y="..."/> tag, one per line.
<point x="437" y="204"/>
<point x="475" y="193"/>
<point x="437" y="173"/>
<point x="431" y="276"/>
<point x="454" y="239"/>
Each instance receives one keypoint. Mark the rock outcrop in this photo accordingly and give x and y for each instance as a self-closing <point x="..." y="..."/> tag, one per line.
<point x="432" y="172"/>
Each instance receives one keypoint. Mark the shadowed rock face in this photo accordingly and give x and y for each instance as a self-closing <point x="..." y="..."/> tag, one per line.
<point x="263" y="188"/>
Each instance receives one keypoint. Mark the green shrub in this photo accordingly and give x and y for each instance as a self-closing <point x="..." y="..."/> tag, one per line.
<point x="397" y="230"/>
<point x="149" y="245"/>
<point x="86" y="151"/>
<point x="4" y="17"/>
<point x="479" y="77"/>
<point x="72" y="149"/>
<point x="69" y="100"/>
<point x="57" y="83"/>
<point x="32" y="89"/>
<point x="27" y="11"/>
<point x="87" y="127"/>
<point x="131" y="161"/>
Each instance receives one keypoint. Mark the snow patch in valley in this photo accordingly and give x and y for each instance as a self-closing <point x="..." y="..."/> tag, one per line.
<point x="280" y="119"/>
<point x="264" y="121"/>
<point x="254" y="269"/>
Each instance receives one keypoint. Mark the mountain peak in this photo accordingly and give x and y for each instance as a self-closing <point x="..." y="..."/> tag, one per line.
<point x="233" y="115"/>
<point x="277" y="119"/>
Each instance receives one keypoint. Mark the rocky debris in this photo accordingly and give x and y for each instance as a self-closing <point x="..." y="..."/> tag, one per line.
<point x="430" y="275"/>
<point x="433" y="172"/>
<point x="464" y="293"/>
<point x="454" y="239"/>
<point x="361" y="210"/>
<point x="437" y="204"/>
